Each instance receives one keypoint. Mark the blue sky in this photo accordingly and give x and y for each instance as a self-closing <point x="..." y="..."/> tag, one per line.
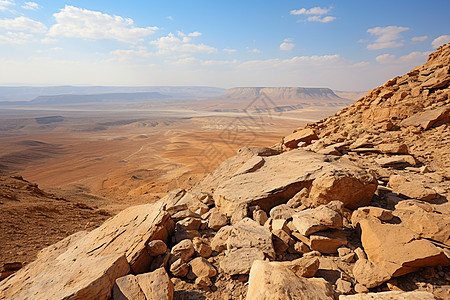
<point x="346" y="45"/>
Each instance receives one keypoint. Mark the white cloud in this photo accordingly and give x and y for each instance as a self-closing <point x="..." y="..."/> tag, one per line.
<point x="388" y="37"/>
<point x="194" y="34"/>
<point x="419" y="38"/>
<point x="23" y="24"/>
<point x="192" y="61"/>
<point x="172" y="44"/>
<point x="87" y="24"/>
<point x="292" y="62"/>
<point x="286" y="46"/>
<point x="170" y="18"/>
<point x="315" y="14"/>
<point x="124" y="55"/>
<point x="312" y="11"/>
<point x="443" y="39"/>
<point x="18" y="38"/>
<point x="414" y="58"/>
<point x="321" y="19"/>
<point x="257" y="51"/>
<point x="5" y="3"/>
<point x="31" y="5"/>
<point x="230" y="50"/>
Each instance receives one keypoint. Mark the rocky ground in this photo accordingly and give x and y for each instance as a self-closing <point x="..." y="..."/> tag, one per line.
<point x="352" y="207"/>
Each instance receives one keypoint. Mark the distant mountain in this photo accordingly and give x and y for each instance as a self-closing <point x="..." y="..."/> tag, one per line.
<point x="282" y="93"/>
<point x="97" y="98"/>
<point x="27" y="93"/>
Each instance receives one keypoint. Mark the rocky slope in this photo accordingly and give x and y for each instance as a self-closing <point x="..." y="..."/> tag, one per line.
<point x="352" y="207"/>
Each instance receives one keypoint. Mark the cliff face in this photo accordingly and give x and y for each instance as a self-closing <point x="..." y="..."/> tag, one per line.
<point x="282" y="93"/>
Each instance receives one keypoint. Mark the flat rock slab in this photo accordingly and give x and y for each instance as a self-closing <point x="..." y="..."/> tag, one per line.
<point x="86" y="265"/>
<point x="397" y="249"/>
<point x="239" y="261"/>
<point x="282" y="176"/>
<point x="249" y="234"/>
<point x="273" y="280"/>
<point x="428" y="118"/>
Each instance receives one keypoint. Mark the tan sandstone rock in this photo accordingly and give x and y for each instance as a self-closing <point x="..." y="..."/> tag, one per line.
<point x="271" y="280"/>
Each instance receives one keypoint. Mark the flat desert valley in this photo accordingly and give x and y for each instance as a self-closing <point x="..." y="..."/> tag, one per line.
<point x="111" y="156"/>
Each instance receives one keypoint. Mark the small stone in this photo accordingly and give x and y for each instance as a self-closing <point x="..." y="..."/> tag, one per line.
<point x="179" y="268"/>
<point x="361" y="289"/>
<point x="201" y="267"/>
<point x="203" y="283"/>
<point x="216" y="219"/>
<point x="188" y="224"/>
<point x="202" y="247"/>
<point x="260" y="216"/>
<point x="184" y="250"/>
<point x="156" y="247"/>
<point x="343" y="286"/>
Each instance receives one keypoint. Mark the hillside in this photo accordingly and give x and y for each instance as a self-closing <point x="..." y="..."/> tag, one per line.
<point x="282" y="93"/>
<point x="355" y="206"/>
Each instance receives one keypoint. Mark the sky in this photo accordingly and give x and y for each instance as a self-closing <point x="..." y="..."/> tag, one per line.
<point x="342" y="44"/>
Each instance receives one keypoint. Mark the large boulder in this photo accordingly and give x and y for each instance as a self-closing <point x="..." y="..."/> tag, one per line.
<point x="282" y="176"/>
<point x="86" y="265"/>
<point x="273" y="280"/>
<point x="397" y="249"/>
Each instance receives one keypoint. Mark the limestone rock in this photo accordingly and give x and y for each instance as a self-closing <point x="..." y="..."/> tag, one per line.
<point x="183" y="250"/>
<point x="260" y="216"/>
<point x="179" y="268"/>
<point x="201" y="267"/>
<point x="397" y="249"/>
<point x="239" y="261"/>
<point x="369" y="274"/>
<point x="156" y="285"/>
<point x="397" y="295"/>
<point x="394" y="148"/>
<point x="428" y="118"/>
<point x="304" y="266"/>
<point x="249" y="234"/>
<point x="269" y="280"/>
<point x="327" y="241"/>
<point x="87" y="267"/>
<point x="127" y="288"/>
<point x="282" y="211"/>
<point x="189" y="223"/>
<point x="421" y="218"/>
<point x="156" y="247"/>
<point x="216" y="220"/>
<point x="219" y="241"/>
<point x="312" y="220"/>
<point x="202" y="247"/>
<point x="280" y="178"/>
<point x="251" y="165"/>
<point x="303" y="135"/>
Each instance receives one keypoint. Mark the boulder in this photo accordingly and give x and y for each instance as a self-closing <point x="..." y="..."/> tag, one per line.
<point x="428" y="118"/>
<point x="396" y="162"/>
<point x="300" y="136"/>
<point x="394" y="148"/>
<point x="280" y="178"/>
<point x="189" y="223"/>
<point x="304" y="266"/>
<point x="86" y="265"/>
<point x="156" y="285"/>
<point x="156" y="247"/>
<point x="369" y="274"/>
<point x="327" y="241"/>
<point x="216" y="219"/>
<point x="421" y="218"/>
<point x="201" y="267"/>
<point x="239" y="261"/>
<point x="397" y="295"/>
<point x="183" y="250"/>
<point x="325" y="216"/>
<point x="219" y="241"/>
<point x="397" y="249"/>
<point x="179" y="268"/>
<point x="272" y="280"/>
<point x="249" y="234"/>
<point x="260" y="216"/>
<point x="282" y="211"/>
<point x="127" y="288"/>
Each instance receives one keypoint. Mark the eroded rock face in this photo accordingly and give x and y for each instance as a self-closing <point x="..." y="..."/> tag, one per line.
<point x="282" y="176"/>
<point x="272" y="280"/>
<point x="85" y="266"/>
